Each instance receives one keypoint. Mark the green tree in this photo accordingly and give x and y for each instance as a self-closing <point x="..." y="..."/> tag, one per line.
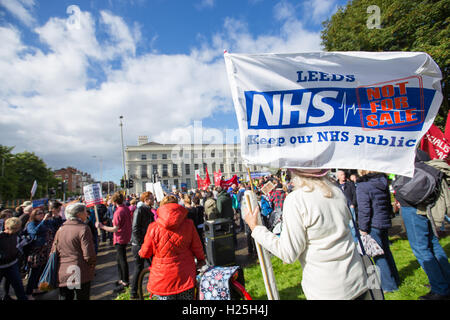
<point x="18" y="172"/>
<point x="8" y="174"/>
<point x="406" y="25"/>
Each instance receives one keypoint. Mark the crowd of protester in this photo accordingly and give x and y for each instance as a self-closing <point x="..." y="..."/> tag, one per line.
<point x="360" y="201"/>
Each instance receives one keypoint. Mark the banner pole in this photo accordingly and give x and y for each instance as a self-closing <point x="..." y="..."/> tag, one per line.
<point x="264" y="258"/>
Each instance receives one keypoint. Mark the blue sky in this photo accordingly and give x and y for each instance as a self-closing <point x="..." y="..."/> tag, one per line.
<point x="69" y="69"/>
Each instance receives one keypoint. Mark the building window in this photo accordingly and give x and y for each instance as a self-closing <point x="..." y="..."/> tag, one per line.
<point x="175" y="182"/>
<point x="164" y="156"/>
<point x="166" y="183"/>
<point x="144" y="171"/>
<point x="154" y="169"/>
<point x="143" y="157"/>
<point x="165" y="173"/>
<point x="240" y="167"/>
<point x="187" y="168"/>
<point x="195" y="155"/>
<point x="154" y="156"/>
<point x="205" y="165"/>
<point x="175" y="169"/>
<point x="195" y="166"/>
<point x="174" y="155"/>
<point x="232" y="167"/>
<point x="188" y="183"/>
<point x="221" y="168"/>
<point x="213" y="154"/>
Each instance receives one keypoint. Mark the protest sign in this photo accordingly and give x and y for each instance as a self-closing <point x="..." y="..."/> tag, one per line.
<point x="159" y="193"/>
<point x="349" y="110"/>
<point x="39" y="203"/>
<point x="269" y="186"/>
<point x="149" y="187"/>
<point x="92" y="194"/>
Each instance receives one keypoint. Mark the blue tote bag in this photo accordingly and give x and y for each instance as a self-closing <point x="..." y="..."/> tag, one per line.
<point x="49" y="277"/>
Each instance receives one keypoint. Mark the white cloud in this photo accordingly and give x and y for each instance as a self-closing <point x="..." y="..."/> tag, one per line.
<point x="48" y="105"/>
<point x="321" y="9"/>
<point x="20" y="9"/>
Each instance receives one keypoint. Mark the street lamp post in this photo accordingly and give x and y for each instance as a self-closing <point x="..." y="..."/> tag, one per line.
<point x="123" y="151"/>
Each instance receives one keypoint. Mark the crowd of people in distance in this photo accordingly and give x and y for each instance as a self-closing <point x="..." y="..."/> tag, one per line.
<point x="314" y="216"/>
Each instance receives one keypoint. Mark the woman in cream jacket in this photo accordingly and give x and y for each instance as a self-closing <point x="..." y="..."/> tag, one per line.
<point x="315" y="231"/>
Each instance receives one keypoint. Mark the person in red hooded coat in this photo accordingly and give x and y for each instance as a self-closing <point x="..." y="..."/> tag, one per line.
<point x="173" y="244"/>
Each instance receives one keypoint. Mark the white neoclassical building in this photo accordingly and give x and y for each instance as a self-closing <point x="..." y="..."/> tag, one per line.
<point x="176" y="164"/>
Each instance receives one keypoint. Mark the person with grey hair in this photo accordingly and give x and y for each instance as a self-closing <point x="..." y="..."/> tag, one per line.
<point x="75" y="246"/>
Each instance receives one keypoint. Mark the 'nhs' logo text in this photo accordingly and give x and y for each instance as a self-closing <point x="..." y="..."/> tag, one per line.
<point x="299" y="108"/>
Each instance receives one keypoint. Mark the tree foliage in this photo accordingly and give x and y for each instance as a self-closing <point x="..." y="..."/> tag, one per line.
<point x="406" y="25"/>
<point x="18" y="172"/>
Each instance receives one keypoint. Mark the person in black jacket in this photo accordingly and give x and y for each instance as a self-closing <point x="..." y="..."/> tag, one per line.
<point x="374" y="218"/>
<point x="142" y="217"/>
<point x="9" y="256"/>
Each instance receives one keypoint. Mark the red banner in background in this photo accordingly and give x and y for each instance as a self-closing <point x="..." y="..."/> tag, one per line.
<point x="435" y="144"/>
<point x="228" y="183"/>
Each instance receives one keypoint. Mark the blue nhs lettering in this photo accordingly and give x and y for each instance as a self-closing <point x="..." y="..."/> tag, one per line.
<point x="290" y="109"/>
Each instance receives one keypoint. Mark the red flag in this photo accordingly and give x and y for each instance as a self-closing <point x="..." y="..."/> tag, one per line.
<point x="217" y="178"/>
<point x="202" y="184"/>
<point x="447" y="128"/>
<point x="207" y="179"/>
<point x="435" y="144"/>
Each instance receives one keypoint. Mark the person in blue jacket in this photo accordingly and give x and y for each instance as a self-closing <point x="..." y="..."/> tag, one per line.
<point x="40" y="227"/>
<point x="374" y="218"/>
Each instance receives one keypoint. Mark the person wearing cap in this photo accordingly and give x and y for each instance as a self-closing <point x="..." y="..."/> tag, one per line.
<point x="315" y="231"/>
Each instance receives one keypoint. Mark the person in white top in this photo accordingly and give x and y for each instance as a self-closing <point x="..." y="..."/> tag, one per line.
<point x="315" y="231"/>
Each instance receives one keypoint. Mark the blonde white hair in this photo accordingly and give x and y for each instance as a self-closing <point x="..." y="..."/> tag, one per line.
<point x="308" y="184"/>
<point x="73" y="210"/>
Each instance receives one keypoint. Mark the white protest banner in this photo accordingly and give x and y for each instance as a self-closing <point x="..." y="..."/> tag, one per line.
<point x="159" y="193"/>
<point x="349" y="110"/>
<point x="92" y="194"/>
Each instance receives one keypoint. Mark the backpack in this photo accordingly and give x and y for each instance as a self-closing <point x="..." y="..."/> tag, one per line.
<point x="211" y="211"/>
<point x="266" y="208"/>
<point x="423" y="188"/>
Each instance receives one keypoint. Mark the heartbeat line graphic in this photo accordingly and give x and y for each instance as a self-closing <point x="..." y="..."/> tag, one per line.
<point x="355" y="108"/>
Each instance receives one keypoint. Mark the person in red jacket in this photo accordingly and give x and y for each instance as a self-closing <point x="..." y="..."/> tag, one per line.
<point x="173" y="244"/>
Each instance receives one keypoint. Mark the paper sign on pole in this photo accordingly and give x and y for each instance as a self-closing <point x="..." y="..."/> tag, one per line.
<point x="92" y="194"/>
<point x="350" y="110"/>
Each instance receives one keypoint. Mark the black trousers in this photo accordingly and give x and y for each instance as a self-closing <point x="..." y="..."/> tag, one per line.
<point x="122" y="263"/>
<point x="81" y="294"/>
<point x="139" y="265"/>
